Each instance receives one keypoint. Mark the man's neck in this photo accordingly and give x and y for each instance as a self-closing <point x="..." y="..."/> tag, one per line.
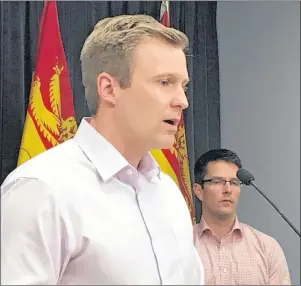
<point x="221" y="227"/>
<point x="128" y="148"/>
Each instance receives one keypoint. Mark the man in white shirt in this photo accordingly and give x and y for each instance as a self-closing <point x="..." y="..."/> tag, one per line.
<point x="96" y="209"/>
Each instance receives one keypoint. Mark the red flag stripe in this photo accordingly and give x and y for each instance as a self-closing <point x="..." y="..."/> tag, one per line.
<point x="164" y="14"/>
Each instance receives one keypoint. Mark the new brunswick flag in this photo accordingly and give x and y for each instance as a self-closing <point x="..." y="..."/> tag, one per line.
<point x="50" y="116"/>
<point x="174" y="161"/>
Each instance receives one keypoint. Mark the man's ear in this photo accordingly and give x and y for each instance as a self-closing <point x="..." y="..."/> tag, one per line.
<point x="106" y="88"/>
<point x="198" y="190"/>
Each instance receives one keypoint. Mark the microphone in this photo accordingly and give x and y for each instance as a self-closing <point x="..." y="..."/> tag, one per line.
<point x="248" y="179"/>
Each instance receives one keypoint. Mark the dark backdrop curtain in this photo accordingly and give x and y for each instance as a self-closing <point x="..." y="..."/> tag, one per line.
<point x="19" y="30"/>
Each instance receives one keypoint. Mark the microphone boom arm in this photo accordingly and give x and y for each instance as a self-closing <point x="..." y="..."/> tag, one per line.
<point x="282" y="215"/>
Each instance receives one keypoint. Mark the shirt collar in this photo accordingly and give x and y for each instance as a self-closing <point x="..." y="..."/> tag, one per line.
<point x="102" y="153"/>
<point x="204" y="226"/>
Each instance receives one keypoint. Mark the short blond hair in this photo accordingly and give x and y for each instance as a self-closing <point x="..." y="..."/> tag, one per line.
<point x="109" y="48"/>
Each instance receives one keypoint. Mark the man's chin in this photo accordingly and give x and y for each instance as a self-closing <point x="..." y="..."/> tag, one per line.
<point x="164" y="144"/>
<point x="225" y="215"/>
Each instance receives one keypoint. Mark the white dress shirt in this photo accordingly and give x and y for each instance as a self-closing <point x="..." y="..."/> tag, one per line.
<point x="80" y="214"/>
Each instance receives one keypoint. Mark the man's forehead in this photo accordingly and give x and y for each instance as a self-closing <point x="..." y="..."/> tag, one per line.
<point x="157" y="58"/>
<point x="158" y="49"/>
<point x="221" y="166"/>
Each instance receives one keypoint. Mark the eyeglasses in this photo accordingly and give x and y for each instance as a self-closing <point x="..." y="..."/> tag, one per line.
<point x="222" y="182"/>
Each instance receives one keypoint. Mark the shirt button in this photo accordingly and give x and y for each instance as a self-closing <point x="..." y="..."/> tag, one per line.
<point x="129" y="171"/>
<point x="225" y="270"/>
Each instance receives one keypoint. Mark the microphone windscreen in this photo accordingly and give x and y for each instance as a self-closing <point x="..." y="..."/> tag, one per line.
<point x="245" y="176"/>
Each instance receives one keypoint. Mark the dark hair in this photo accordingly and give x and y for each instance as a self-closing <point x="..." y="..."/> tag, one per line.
<point x="200" y="168"/>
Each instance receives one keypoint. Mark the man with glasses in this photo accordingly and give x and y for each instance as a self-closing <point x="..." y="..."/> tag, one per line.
<point x="231" y="252"/>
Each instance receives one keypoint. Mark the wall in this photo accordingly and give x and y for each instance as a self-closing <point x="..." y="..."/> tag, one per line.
<point x="259" y="49"/>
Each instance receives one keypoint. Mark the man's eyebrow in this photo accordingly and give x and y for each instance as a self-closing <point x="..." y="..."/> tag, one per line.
<point x="218" y="177"/>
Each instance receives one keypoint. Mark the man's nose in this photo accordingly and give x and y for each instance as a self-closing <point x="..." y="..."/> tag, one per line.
<point x="227" y="188"/>
<point x="180" y="100"/>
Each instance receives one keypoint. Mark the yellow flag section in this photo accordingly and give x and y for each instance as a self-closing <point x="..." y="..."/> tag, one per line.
<point x="50" y="117"/>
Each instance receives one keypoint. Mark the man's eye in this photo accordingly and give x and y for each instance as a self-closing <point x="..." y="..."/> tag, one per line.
<point x="216" y="181"/>
<point x="164" y="82"/>
<point x="185" y="88"/>
<point x="235" y="183"/>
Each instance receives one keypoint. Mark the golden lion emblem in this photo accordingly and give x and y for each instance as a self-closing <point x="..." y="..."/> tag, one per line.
<point x="50" y="122"/>
<point x="180" y="150"/>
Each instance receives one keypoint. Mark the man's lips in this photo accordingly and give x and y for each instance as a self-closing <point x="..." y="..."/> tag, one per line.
<point x="172" y="121"/>
<point x="227" y="200"/>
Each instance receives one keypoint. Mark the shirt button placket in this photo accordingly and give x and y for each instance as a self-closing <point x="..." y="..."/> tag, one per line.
<point x="224" y="270"/>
